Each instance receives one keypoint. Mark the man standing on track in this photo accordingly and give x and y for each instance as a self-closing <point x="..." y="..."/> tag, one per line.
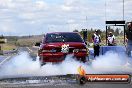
<point x="96" y="41"/>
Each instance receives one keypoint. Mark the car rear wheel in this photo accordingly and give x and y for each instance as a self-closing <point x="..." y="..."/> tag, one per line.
<point x="83" y="59"/>
<point x="41" y="61"/>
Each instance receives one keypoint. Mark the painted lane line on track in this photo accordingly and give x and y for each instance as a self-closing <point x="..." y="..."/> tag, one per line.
<point x="5" y="60"/>
<point x="29" y="49"/>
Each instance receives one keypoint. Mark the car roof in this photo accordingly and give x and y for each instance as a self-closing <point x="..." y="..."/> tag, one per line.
<point x="60" y="32"/>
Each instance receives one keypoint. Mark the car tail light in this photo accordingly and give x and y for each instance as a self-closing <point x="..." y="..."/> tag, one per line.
<point x="51" y="51"/>
<point x="84" y="50"/>
<point x="79" y="50"/>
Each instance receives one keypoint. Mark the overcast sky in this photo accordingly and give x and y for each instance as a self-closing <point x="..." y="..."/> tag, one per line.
<point x="29" y="17"/>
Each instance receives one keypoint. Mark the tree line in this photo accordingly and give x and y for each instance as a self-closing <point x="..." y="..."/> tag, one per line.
<point x="116" y="32"/>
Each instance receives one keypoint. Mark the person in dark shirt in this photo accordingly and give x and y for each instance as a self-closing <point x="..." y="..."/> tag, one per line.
<point x="129" y="39"/>
<point x="96" y="41"/>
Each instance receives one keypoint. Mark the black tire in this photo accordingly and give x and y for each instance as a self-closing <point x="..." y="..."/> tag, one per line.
<point x="41" y="61"/>
<point x="83" y="59"/>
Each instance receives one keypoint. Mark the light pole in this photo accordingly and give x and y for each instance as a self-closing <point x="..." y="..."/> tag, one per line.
<point x="123" y="9"/>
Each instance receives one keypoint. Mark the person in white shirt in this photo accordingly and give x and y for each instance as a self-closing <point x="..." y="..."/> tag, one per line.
<point x="111" y="39"/>
<point x="96" y="41"/>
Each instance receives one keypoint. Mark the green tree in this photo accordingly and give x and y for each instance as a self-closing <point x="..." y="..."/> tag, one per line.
<point x="75" y="30"/>
<point x="117" y="32"/>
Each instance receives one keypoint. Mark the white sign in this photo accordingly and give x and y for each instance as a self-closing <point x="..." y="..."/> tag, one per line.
<point x="65" y="48"/>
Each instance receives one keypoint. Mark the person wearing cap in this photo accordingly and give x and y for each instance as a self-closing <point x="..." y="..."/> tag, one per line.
<point x="96" y="42"/>
<point x="129" y="39"/>
<point x="111" y="39"/>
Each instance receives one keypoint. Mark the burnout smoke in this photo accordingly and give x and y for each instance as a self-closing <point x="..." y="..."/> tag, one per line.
<point x="20" y="64"/>
<point x="112" y="62"/>
<point x="23" y="64"/>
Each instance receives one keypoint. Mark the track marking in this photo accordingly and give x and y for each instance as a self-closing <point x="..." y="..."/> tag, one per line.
<point x="5" y="60"/>
<point x="29" y="49"/>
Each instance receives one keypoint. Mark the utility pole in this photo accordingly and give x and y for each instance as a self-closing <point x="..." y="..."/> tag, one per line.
<point x="105" y="10"/>
<point x="123" y="10"/>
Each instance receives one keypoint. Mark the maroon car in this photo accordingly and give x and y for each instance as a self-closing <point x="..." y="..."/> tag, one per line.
<point x="55" y="47"/>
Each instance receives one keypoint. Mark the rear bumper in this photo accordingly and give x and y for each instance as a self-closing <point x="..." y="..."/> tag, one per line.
<point x="59" y="57"/>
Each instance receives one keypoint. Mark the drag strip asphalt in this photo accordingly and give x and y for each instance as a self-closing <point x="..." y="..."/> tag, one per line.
<point x="3" y="59"/>
<point x="56" y="82"/>
<point x="53" y="82"/>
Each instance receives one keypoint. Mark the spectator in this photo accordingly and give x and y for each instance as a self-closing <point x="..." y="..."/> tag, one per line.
<point x="129" y="39"/>
<point x="96" y="41"/>
<point x="111" y="39"/>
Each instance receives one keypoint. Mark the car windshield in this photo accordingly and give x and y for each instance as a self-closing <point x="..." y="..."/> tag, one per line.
<point x="63" y="37"/>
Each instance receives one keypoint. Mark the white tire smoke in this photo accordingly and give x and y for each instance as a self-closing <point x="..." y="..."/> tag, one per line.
<point x="23" y="64"/>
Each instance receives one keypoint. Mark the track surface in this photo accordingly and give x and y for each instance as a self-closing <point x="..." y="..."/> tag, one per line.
<point x="32" y="83"/>
<point x="67" y="85"/>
